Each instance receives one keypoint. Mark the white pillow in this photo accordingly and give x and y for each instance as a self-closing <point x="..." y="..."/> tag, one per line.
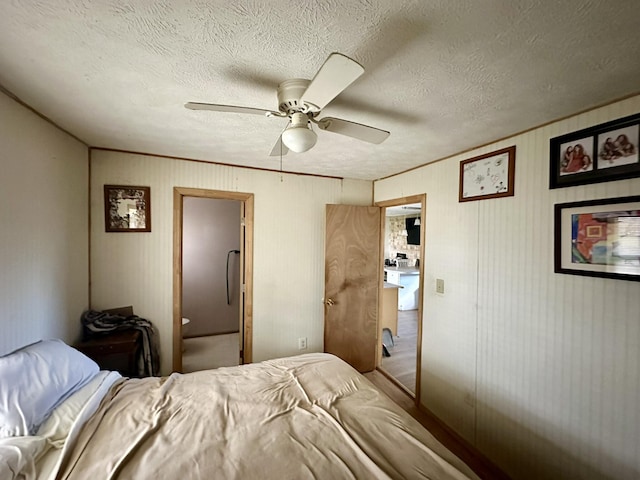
<point x="35" y="379"/>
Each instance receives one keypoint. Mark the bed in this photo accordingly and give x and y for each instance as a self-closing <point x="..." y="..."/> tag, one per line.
<point x="308" y="416"/>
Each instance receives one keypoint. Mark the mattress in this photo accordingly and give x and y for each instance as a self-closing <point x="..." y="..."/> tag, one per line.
<point x="310" y="416"/>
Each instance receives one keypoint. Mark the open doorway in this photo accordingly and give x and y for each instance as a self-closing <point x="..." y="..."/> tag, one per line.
<point x="211" y="283"/>
<point x="213" y="242"/>
<point x="401" y="299"/>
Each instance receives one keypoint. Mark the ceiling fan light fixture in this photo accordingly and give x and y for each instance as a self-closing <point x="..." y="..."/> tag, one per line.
<point x="299" y="137"/>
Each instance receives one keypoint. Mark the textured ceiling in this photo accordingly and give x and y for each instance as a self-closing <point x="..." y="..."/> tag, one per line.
<point x="442" y="76"/>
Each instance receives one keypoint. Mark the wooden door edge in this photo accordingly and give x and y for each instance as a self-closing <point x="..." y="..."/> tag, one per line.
<point x="177" y="281"/>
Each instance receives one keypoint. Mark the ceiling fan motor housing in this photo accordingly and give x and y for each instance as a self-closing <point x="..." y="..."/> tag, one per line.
<point x="289" y="93"/>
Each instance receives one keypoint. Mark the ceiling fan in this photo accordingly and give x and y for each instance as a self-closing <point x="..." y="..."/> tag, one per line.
<point x="301" y="101"/>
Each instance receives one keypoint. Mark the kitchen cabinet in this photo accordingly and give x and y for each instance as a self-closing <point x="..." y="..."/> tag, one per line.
<point x="409" y="279"/>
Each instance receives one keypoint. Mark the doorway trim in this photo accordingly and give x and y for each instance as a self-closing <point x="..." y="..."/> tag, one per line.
<point x="246" y="259"/>
<point x="422" y="200"/>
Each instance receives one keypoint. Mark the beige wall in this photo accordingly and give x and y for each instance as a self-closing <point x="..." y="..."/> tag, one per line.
<point x="44" y="229"/>
<point x="136" y="269"/>
<point x="539" y="370"/>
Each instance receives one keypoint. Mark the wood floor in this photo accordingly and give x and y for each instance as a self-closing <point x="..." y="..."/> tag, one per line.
<point x="402" y="363"/>
<point x="463" y="450"/>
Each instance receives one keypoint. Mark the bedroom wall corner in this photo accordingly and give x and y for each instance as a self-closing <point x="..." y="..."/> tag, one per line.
<point x="43" y="239"/>
<point x="553" y="359"/>
<point x="289" y="211"/>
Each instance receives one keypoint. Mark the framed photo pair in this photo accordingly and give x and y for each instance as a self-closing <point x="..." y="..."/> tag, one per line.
<point x="602" y="153"/>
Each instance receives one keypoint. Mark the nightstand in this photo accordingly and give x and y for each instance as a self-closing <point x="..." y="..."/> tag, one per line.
<point x="114" y="351"/>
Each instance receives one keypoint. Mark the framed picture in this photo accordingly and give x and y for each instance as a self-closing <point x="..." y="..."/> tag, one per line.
<point x="127" y="209"/>
<point x="488" y="176"/>
<point x="602" y="153"/>
<point x="599" y="238"/>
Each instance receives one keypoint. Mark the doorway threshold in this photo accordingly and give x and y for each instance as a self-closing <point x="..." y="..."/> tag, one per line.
<point x="395" y="381"/>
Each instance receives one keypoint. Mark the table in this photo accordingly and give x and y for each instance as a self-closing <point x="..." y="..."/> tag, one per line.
<point x="114" y="351"/>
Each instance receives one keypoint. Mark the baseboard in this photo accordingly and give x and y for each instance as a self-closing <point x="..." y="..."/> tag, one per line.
<point x="467" y="452"/>
<point x="492" y="471"/>
<point x="393" y="380"/>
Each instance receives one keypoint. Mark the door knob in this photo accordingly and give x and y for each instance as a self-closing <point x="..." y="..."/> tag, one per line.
<point x="329" y="302"/>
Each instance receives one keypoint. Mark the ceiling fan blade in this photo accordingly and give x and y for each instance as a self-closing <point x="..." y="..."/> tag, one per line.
<point x="352" y="129"/>
<point x="279" y="148"/>
<point x="225" y="108"/>
<point x="336" y="74"/>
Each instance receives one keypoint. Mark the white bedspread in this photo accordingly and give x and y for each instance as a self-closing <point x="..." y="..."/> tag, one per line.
<point x="311" y="416"/>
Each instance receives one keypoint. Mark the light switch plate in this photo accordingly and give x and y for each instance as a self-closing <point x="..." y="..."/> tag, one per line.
<point x="439" y="285"/>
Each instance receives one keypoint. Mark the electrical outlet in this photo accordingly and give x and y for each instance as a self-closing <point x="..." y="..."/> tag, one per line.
<point x="302" y="343"/>
<point x="439" y="285"/>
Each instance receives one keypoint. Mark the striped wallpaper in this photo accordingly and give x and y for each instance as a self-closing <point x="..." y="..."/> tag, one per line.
<point x="136" y="268"/>
<point x="541" y="371"/>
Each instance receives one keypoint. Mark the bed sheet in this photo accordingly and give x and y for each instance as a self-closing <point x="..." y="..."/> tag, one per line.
<point x="38" y="456"/>
<point x="68" y="419"/>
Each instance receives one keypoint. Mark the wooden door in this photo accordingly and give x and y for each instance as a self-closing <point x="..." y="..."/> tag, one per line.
<point x="352" y="277"/>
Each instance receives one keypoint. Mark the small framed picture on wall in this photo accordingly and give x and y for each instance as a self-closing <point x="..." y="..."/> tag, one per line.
<point x="127" y="208"/>
<point x="488" y="176"/>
